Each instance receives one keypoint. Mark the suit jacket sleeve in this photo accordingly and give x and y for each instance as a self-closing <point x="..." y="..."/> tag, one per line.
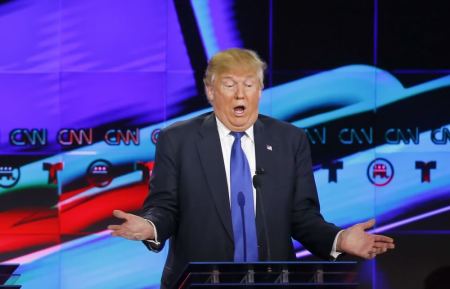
<point x="308" y="225"/>
<point x="161" y="206"/>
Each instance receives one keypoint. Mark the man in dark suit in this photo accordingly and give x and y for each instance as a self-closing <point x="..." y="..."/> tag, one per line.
<point x="202" y="198"/>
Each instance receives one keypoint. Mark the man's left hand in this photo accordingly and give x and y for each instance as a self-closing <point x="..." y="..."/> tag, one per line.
<point x="356" y="241"/>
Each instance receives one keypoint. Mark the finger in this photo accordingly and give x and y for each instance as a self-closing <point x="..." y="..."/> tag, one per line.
<point x="114" y="227"/>
<point x="116" y="234"/>
<point x="123" y="234"/>
<point x="120" y="214"/>
<point x="368" y="224"/>
<point x="384" y="245"/>
<point x="378" y="250"/>
<point x="381" y="238"/>
<point x="371" y="255"/>
<point x="381" y="251"/>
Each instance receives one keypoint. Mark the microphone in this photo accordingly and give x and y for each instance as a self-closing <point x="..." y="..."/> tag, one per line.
<point x="257" y="183"/>
<point x="241" y="203"/>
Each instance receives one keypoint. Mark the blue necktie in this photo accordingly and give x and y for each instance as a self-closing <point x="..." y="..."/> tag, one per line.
<point x="242" y="209"/>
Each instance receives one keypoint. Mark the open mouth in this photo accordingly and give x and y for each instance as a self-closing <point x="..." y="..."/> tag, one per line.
<point x="239" y="110"/>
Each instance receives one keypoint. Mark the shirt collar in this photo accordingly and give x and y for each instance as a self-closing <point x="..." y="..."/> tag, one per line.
<point x="224" y="131"/>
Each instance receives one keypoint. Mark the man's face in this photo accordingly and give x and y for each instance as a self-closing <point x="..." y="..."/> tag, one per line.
<point x="235" y="98"/>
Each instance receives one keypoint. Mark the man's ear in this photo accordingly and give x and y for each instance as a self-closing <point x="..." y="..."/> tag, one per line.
<point x="209" y="93"/>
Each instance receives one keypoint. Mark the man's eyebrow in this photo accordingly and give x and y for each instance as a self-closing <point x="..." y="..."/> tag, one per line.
<point x="227" y="79"/>
<point x="249" y="77"/>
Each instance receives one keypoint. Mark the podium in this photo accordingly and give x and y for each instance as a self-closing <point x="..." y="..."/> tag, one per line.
<point x="7" y="276"/>
<point x="336" y="275"/>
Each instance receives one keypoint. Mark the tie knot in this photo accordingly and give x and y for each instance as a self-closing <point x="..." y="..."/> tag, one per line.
<point x="237" y="134"/>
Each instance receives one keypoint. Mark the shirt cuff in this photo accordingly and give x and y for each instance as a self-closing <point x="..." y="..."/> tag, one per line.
<point x="155" y="241"/>
<point x="334" y="253"/>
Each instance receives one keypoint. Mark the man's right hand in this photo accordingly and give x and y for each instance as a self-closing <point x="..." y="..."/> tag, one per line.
<point x="133" y="227"/>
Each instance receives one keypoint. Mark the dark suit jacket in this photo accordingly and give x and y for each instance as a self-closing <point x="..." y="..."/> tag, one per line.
<point x="189" y="200"/>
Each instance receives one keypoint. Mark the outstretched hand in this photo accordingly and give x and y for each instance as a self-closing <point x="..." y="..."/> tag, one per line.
<point x="356" y="241"/>
<point x="133" y="227"/>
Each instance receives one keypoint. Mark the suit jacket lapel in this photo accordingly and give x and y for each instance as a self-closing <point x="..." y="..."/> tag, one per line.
<point x="263" y="151"/>
<point x="211" y="158"/>
<point x="263" y="155"/>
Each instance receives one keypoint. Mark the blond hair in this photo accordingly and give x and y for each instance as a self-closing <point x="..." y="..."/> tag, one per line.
<point x="233" y="59"/>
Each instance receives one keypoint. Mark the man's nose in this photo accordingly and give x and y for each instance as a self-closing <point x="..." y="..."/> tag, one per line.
<point x="240" y="92"/>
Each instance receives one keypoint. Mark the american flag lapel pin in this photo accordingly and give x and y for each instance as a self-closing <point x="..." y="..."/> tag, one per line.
<point x="269" y="147"/>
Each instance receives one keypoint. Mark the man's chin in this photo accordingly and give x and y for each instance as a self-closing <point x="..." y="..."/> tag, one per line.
<point x="241" y="125"/>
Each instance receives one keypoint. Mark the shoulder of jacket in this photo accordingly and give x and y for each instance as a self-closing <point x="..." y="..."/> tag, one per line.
<point x="186" y="125"/>
<point x="280" y="125"/>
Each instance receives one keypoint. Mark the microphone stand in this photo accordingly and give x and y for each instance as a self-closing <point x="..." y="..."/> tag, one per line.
<point x="241" y="203"/>
<point x="257" y="185"/>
